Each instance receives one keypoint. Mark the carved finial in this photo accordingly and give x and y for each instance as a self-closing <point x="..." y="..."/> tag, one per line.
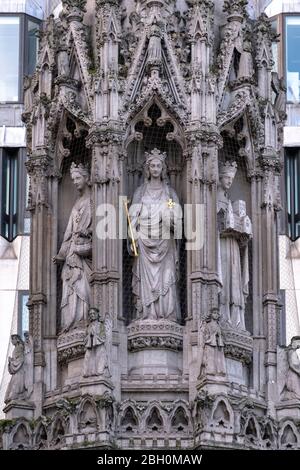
<point x="236" y="9"/>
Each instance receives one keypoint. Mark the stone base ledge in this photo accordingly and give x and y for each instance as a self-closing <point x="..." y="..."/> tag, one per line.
<point x="19" y="409"/>
<point x="154" y="334"/>
<point x="70" y="345"/>
<point x="238" y="345"/>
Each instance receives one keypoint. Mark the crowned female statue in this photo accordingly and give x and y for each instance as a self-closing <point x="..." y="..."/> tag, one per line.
<point x="155" y="217"/>
<point x="234" y="233"/>
<point x="75" y="254"/>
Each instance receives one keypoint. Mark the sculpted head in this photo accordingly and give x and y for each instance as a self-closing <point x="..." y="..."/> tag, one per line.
<point x="16" y="339"/>
<point x="155" y="165"/>
<point x="295" y="342"/>
<point x="226" y="174"/>
<point x="93" y="314"/>
<point x="80" y="176"/>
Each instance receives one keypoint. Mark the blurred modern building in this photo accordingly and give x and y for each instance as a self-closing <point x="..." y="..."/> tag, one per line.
<point x="19" y="41"/>
<point x="285" y="15"/>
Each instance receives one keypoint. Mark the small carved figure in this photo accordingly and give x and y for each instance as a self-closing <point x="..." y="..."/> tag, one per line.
<point x="212" y="358"/>
<point x="95" y="359"/>
<point x="63" y="63"/>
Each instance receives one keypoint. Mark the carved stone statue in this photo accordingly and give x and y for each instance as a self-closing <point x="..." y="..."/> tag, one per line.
<point x="95" y="359"/>
<point x="16" y="388"/>
<point x="246" y="61"/>
<point x="63" y="63"/>
<point x="234" y="233"/>
<point x="154" y="48"/>
<point x="291" y="389"/>
<point x="155" y="215"/>
<point x="212" y="358"/>
<point x="75" y="253"/>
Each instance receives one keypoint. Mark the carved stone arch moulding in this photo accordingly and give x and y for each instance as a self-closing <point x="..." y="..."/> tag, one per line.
<point x="252" y="429"/>
<point x="58" y="431"/>
<point x="87" y="415"/>
<point x="180" y="419"/>
<point x="154" y="417"/>
<point x="176" y="133"/>
<point x="222" y="415"/>
<point x="288" y="437"/>
<point x="21" y="436"/>
<point x="129" y="420"/>
<point x="70" y="128"/>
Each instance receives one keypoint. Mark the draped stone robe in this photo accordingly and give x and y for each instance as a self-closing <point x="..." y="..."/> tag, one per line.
<point x="233" y="273"/>
<point x="76" y="249"/>
<point x="155" y="268"/>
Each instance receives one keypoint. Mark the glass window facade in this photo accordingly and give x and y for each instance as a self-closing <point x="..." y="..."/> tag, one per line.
<point x="9" y="58"/>
<point x="32" y="45"/>
<point x="293" y="191"/>
<point x="292" y="48"/>
<point x="9" y="199"/>
<point x="23" y="320"/>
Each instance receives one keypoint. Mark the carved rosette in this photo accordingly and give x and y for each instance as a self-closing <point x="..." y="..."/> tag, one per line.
<point x="70" y="345"/>
<point x="154" y="335"/>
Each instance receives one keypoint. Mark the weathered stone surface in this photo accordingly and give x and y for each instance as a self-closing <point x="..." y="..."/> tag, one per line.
<point x="110" y="87"/>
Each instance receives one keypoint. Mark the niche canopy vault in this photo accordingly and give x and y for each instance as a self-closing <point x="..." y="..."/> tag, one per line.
<point x="115" y="82"/>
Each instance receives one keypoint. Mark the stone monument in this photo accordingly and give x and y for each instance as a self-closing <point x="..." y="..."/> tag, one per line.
<point x="152" y="341"/>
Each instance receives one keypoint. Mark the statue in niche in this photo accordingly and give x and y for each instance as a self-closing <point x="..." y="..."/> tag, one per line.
<point x="235" y="230"/>
<point x="63" y="63"/>
<point x="246" y="62"/>
<point x="75" y="254"/>
<point x="291" y="389"/>
<point x="16" y="388"/>
<point x="212" y="358"/>
<point x="154" y="48"/>
<point x="156" y="222"/>
<point x="95" y="359"/>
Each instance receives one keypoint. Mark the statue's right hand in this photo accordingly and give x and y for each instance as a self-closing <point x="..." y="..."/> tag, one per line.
<point x="57" y="259"/>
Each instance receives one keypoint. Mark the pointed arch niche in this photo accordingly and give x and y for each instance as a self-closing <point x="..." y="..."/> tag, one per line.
<point x="236" y="147"/>
<point x="70" y="147"/>
<point x="153" y="127"/>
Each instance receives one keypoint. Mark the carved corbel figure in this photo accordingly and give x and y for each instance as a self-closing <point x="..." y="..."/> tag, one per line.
<point x="95" y="359"/>
<point x="212" y="358"/>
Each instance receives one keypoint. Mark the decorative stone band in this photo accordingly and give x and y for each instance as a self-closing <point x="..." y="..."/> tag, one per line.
<point x="238" y="345"/>
<point x="70" y="345"/>
<point x="152" y="334"/>
<point x="151" y="342"/>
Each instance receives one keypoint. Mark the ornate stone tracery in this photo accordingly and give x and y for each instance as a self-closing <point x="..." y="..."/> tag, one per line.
<point x="109" y="87"/>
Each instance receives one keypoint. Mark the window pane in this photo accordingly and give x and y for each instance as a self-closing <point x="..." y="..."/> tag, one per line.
<point x="275" y="46"/>
<point x="32" y="38"/>
<point x="24" y="314"/>
<point x="10" y="193"/>
<point x="9" y="58"/>
<point x="293" y="58"/>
